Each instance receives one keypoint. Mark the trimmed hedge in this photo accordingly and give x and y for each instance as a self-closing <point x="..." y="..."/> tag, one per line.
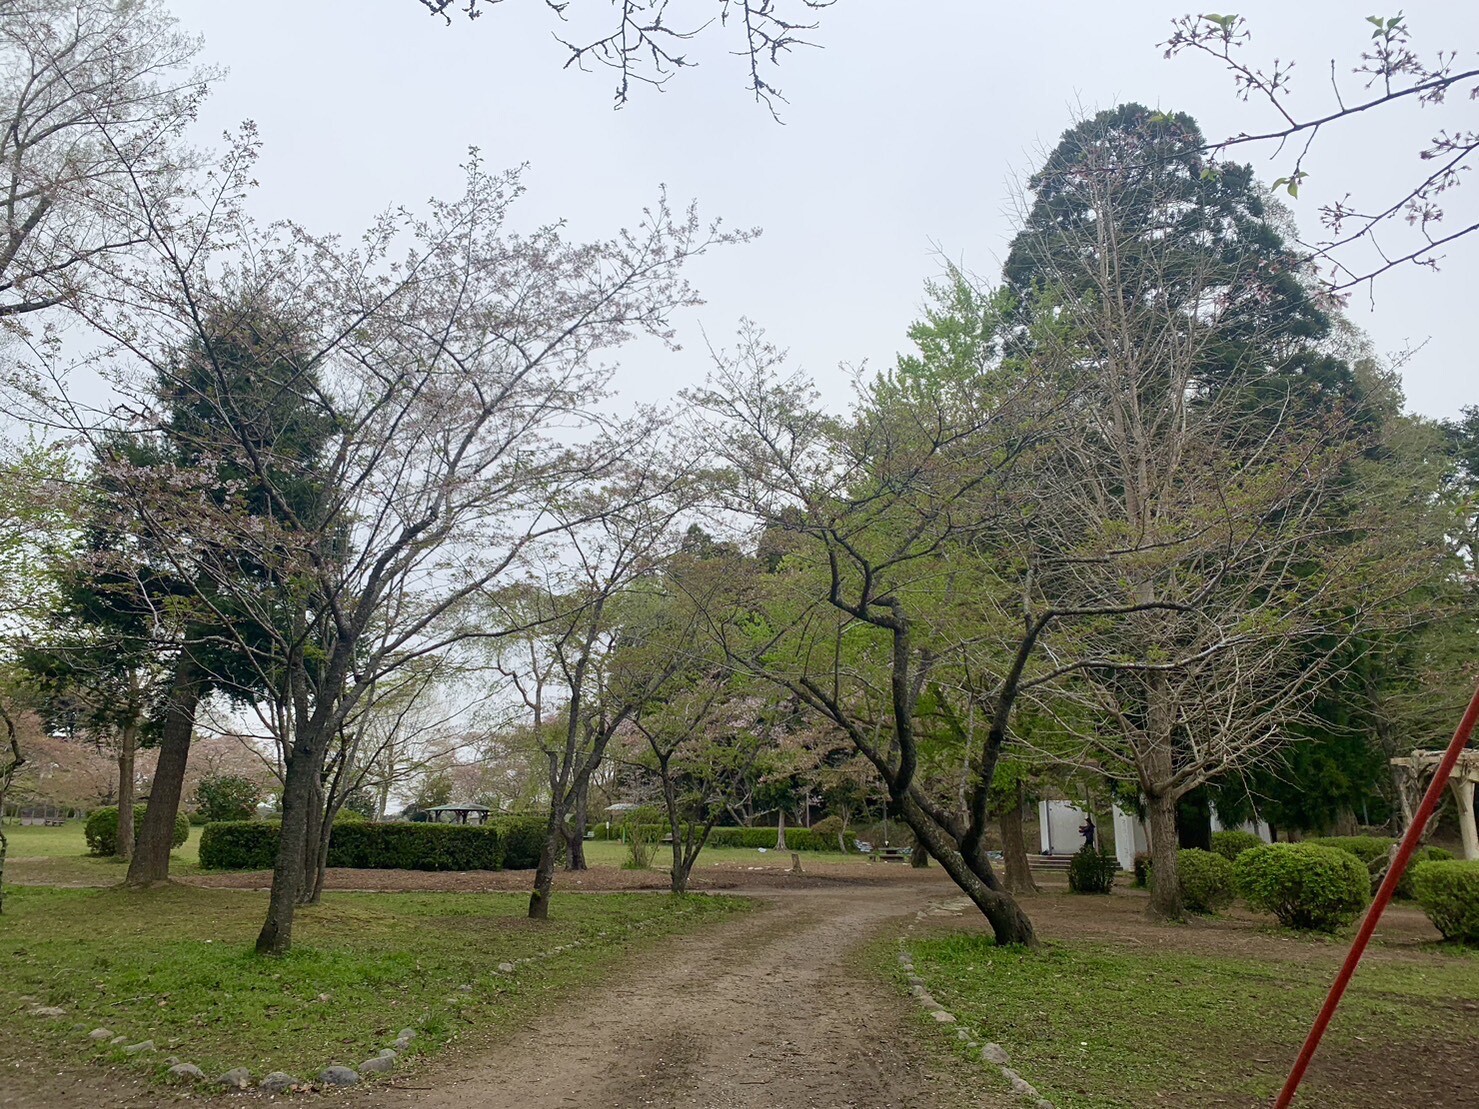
<point x="1092" y="870"/>
<point x="240" y="845"/>
<point x="797" y="839"/>
<point x="1305" y="885"/>
<point x="1207" y="881"/>
<point x="523" y="840"/>
<point x="101" y="830"/>
<point x="1448" y="891"/>
<point x="1232" y="842"/>
<point x="513" y="843"/>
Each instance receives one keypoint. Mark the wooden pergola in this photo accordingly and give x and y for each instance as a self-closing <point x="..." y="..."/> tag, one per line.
<point x="1413" y="773"/>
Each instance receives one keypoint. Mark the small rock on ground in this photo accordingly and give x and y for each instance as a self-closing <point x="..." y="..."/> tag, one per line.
<point x="139" y="1048"/>
<point x="49" y="1011"/>
<point x="187" y="1072"/>
<point x="277" y="1082"/>
<point x="237" y="1078"/>
<point x="97" y="1035"/>
<point x="407" y="1034"/>
<point x="943" y="1017"/>
<point x="994" y="1053"/>
<point x="338" y="1076"/>
<point x="378" y="1065"/>
<point x="505" y="968"/>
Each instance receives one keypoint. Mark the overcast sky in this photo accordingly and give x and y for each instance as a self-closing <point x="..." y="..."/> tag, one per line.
<point x="902" y="140"/>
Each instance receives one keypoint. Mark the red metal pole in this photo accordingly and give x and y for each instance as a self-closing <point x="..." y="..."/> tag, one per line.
<point x="1379" y="902"/>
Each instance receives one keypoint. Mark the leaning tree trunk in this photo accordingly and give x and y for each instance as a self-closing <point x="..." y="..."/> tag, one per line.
<point x="1165" y="882"/>
<point x="128" y="742"/>
<point x="544" y="875"/>
<point x="288" y="874"/>
<point x="150" y="863"/>
<point x="1014" y="846"/>
<point x="1009" y="924"/>
<point x="780" y="831"/>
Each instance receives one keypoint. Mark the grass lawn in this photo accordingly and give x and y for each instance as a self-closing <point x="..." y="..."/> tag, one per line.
<point x="174" y="965"/>
<point x="1094" y="1025"/>
<point x="58" y="856"/>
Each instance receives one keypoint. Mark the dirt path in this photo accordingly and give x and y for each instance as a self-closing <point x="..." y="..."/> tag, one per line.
<point x="767" y="1010"/>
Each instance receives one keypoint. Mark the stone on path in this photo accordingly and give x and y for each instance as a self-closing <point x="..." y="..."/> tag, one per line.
<point x="98" y="1035"/>
<point x="187" y="1072"/>
<point x="51" y="1012"/>
<point x="994" y="1053"/>
<point x="505" y="968"/>
<point x="277" y="1082"/>
<point x="237" y="1078"/>
<point x="338" y="1076"/>
<point x="139" y="1048"/>
<point x="943" y="1017"/>
<point x="381" y="1064"/>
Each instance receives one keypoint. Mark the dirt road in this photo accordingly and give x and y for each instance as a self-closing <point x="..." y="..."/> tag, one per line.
<point x="768" y="1010"/>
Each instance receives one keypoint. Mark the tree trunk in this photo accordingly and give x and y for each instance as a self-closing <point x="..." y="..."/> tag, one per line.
<point x="780" y="831"/>
<point x="128" y="742"/>
<point x="919" y="858"/>
<point x="315" y="844"/>
<point x="544" y="876"/>
<point x="575" y="843"/>
<point x="1165" y="883"/>
<point x="1014" y="846"/>
<point x="1009" y="924"/>
<point x="302" y="773"/>
<point x="150" y="863"/>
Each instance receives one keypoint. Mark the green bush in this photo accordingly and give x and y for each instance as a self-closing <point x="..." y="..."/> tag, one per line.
<point x="512" y="843"/>
<point x="1231" y="842"/>
<point x="1142" y="869"/>
<point x="227" y="797"/>
<point x="101" y="830"/>
<point x="1405" y="890"/>
<point x="1091" y="870"/>
<point x="1305" y="885"/>
<point x="523" y="840"/>
<point x="1207" y="882"/>
<point x="240" y="845"/>
<point x="1448" y="891"/>
<point x="1374" y="852"/>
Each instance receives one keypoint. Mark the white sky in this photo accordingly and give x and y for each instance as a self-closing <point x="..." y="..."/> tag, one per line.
<point x="902" y="136"/>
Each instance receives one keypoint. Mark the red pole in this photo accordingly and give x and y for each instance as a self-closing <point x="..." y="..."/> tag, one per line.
<point x="1379" y="902"/>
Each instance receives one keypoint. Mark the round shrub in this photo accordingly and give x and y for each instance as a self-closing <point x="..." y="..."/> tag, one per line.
<point x="1207" y="882"/>
<point x="1369" y="849"/>
<point x="1232" y="842"/>
<point x="1305" y="885"/>
<point x="101" y="830"/>
<point x="1448" y="891"/>
<point x="1091" y="870"/>
<point x="1405" y="891"/>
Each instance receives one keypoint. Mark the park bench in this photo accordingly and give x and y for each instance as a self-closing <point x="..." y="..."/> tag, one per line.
<point x="890" y="854"/>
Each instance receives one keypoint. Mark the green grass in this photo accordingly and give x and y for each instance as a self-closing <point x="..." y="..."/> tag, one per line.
<point x="174" y="965"/>
<point x="1092" y="1026"/>
<point x="58" y="856"/>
